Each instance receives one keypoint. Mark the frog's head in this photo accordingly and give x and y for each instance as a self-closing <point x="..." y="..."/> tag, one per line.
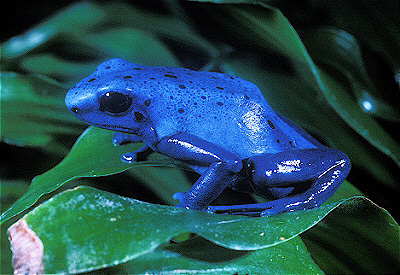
<point x="105" y="99"/>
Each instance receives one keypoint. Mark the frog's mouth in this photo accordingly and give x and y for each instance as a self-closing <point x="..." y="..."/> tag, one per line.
<point x="104" y="126"/>
<point x="115" y="128"/>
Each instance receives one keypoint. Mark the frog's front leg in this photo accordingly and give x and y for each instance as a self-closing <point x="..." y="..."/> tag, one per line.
<point x="138" y="155"/>
<point x="318" y="172"/>
<point x="123" y="138"/>
<point x="222" y="167"/>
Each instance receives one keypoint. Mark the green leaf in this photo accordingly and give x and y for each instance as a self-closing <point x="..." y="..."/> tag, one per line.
<point x="52" y="66"/>
<point x="360" y="238"/>
<point x="360" y="121"/>
<point x="78" y="225"/>
<point x="68" y="21"/>
<point x="163" y="181"/>
<point x="65" y="223"/>
<point x="10" y="190"/>
<point x="339" y="50"/>
<point x="33" y="110"/>
<point x="91" y="156"/>
<point x="144" y="49"/>
<point x="372" y="23"/>
<point x="176" y="28"/>
<point x="199" y="256"/>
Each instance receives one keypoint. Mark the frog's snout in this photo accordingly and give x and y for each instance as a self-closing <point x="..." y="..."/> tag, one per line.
<point x="74" y="109"/>
<point x="72" y="103"/>
<point x="79" y="104"/>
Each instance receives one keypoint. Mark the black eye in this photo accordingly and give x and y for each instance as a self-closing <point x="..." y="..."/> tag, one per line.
<point x="114" y="102"/>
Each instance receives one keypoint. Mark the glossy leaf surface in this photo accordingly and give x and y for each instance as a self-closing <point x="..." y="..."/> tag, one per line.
<point x="78" y="225"/>
<point x="91" y="156"/>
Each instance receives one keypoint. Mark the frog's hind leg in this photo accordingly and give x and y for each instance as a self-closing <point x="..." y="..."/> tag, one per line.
<point x="221" y="166"/>
<point x="325" y="168"/>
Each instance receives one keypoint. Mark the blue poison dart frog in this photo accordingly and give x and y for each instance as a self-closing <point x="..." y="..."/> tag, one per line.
<point x="220" y="125"/>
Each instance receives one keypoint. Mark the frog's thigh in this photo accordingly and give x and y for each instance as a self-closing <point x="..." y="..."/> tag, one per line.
<point x="222" y="167"/>
<point x="290" y="168"/>
<point x="325" y="168"/>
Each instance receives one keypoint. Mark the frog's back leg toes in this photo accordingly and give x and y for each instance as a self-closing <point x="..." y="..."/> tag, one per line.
<point x="325" y="168"/>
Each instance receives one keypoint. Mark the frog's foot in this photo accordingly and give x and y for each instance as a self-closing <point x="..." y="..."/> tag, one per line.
<point x="179" y="196"/>
<point x="302" y="201"/>
<point x="253" y="210"/>
<point x="258" y="209"/>
<point x="138" y="155"/>
<point x="324" y="170"/>
<point x="122" y="138"/>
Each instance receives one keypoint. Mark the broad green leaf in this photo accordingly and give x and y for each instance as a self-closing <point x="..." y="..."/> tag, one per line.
<point x="175" y="28"/>
<point x="68" y="21"/>
<point x="340" y="51"/>
<point x="11" y="189"/>
<point x="373" y="23"/>
<point x="52" y="66"/>
<point x="33" y="110"/>
<point x="359" y="239"/>
<point x="65" y="226"/>
<point x="199" y="256"/>
<point x="144" y="49"/>
<point x="91" y="156"/>
<point x="77" y="226"/>
<point x="360" y="121"/>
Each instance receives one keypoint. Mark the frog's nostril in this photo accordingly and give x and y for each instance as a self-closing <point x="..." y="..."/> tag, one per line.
<point x="74" y="110"/>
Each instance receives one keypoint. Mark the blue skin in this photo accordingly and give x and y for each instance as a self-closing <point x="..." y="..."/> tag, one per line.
<point x="219" y="125"/>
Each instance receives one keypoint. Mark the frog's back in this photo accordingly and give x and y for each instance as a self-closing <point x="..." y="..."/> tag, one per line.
<point x="223" y="109"/>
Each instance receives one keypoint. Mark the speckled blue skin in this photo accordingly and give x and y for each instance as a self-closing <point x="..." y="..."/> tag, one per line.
<point x="218" y="124"/>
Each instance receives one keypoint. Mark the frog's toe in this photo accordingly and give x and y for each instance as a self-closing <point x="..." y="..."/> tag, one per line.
<point x="273" y="209"/>
<point x="129" y="157"/>
<point x="256" y="210"/>
<point x="137" y="155"/>
<point x="178" y="196"/>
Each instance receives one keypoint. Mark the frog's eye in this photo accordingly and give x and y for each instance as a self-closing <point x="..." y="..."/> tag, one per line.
<point x="115" y="103"/>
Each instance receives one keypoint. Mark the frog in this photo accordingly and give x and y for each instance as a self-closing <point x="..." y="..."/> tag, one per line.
<point x="219" y="125"/>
